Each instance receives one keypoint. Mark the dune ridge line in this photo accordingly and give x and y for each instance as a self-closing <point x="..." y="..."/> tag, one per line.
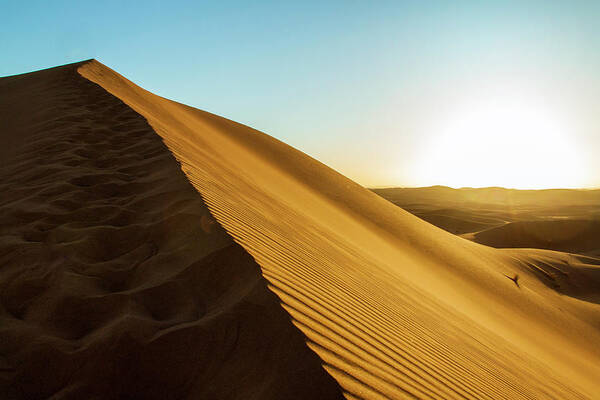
<point x="115" y="280"/>
<point x="394" y="307"/>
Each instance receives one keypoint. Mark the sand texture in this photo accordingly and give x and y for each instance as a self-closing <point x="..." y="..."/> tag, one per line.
<point x="133" y="267"/>
<point x="116" y="281"/>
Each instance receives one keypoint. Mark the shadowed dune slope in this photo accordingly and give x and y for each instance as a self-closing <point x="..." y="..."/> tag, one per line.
<point x="115" y="280"/>
<point x="394" y="307"/>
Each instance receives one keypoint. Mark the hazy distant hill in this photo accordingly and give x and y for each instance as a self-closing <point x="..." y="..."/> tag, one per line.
<point x="557" y="219"/>
<point x="491" y="196"/>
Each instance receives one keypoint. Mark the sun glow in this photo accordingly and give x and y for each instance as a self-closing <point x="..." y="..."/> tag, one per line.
<point x="507" y="144"/>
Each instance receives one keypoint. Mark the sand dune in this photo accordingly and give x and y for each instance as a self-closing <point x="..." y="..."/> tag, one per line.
<point x="491" y="196"/>
<point x="149" y="296"/>
<point x="459" y="221"/>
<point x="570" y="274"/>
<point x="116" y="281"/>
<point x="573" y="236"/>
<point x="563" y="220"/>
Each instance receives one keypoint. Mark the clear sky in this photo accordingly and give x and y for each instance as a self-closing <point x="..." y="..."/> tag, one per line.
<point x="398" y="93"/>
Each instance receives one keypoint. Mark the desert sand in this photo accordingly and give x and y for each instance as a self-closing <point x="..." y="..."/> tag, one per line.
<point x="154" y="250"/>
<point x="116" y="280"/>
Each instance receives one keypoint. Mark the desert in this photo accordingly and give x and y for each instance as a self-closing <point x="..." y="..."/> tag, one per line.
<point x="154" y="250"/>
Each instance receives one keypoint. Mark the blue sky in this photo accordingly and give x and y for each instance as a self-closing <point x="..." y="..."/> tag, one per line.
<point x="371" y="88"/>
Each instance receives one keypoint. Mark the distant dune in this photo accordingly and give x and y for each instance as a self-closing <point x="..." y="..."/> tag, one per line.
<point x="574" y="236"/>
<point x="153" y="250"/>
<point x="492" y="196"/>
<point x="561" y="219"/>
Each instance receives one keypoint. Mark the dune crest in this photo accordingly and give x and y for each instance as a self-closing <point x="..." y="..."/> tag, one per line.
<point x="141" y="267"/>
<point x="116" y="281"/>
<point x="393" y="306"/>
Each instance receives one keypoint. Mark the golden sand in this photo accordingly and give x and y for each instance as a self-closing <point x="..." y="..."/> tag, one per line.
<point x="391" y="306"/>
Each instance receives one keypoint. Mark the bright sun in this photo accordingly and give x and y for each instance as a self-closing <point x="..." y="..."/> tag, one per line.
<point x="507" y="144"/>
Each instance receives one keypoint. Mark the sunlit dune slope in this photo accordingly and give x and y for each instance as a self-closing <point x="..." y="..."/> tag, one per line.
<point x="573" y="275"/>
<point x="115" y="280"/>
<point x="393" y="306"/>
